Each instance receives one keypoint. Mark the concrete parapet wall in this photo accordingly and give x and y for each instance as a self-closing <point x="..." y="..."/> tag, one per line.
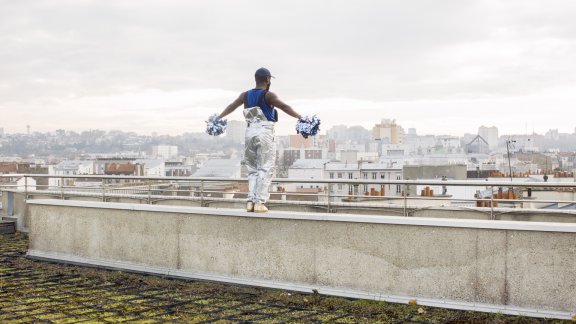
<point x="19" y="208"/>
<point x="511" y="267"/>
<point x="511" y="214"/>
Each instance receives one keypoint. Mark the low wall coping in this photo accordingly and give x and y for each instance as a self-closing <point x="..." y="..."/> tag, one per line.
<point x="370" y="219"/>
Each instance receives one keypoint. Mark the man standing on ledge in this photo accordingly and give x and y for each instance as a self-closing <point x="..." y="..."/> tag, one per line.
<point x="260" y="148"/>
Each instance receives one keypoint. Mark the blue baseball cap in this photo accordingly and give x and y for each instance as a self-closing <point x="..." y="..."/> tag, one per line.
<point x="263" y="72"/>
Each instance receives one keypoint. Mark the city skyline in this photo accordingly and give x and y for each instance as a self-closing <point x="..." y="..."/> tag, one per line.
<point x="354" y="133"/>
<point x="446" y="67"/>
<point x="323" y="132"/>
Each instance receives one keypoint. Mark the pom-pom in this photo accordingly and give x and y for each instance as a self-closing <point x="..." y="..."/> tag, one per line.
<point x="308" y="126"/>
<point x="216" y="125"/>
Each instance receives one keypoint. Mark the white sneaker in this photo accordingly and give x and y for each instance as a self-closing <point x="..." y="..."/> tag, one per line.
<point x="250" y="206"/>
<point x="260" y="208"/>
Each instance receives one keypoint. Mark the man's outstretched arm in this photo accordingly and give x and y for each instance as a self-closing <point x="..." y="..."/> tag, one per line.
<point x="272" y="99"/>
<point x="231" y="107"/>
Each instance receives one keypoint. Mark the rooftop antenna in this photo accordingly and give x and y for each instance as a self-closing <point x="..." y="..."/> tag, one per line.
<point x="509" y="143"/>
<point x="546" y="169"/>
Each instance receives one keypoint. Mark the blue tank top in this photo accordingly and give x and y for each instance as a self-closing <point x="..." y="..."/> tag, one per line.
<point x="251" y="100"/>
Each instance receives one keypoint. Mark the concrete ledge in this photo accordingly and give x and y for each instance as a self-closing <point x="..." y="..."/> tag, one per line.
<point x="396" y="220"/>
<point x="511" y="267"/>
<point x="364" y="209"/>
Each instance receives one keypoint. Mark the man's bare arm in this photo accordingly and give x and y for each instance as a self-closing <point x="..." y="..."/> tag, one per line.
<point x="231" y="107"/>
<point x="272" y="99"/>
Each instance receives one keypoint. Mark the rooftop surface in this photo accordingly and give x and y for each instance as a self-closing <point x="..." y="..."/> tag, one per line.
<point x="41" y="292"/>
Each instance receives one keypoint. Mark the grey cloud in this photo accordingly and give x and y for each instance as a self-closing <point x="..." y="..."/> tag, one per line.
<point x="384" y="50"/>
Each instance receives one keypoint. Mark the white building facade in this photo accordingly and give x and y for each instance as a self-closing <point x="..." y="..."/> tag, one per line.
<point x="490" y="135"/>
<point x="165" y="151"/>
<point x="313" y="169"/>
<point x="153" y="168"/>
<point x="236" y="131"/>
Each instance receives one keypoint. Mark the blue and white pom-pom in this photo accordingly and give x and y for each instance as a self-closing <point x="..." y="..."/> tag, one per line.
<point x="308" y="126"/>
<point x="215" y="125"/>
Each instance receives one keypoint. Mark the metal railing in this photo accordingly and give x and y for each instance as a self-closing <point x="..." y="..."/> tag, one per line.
<point x="208" y="189"/>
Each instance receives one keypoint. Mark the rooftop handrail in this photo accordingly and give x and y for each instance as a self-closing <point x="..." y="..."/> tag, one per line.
<point x="502" y="183"/>
<point x="485" y="194"/>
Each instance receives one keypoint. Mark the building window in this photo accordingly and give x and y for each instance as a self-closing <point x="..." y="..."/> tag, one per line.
<point x="365" y="175"/>
<point x="398" y="189"/>
<point x="331" y="175"/>
<point x="365" y="188"/>
<point x="339" y="175"/>
<point x="374" y="175"/>
<point x="339" y="186"/>
<point x="349" y="175"/>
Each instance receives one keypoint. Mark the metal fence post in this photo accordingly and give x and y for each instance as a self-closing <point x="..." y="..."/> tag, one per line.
<point x="25" y="187"/>
<point x="149" y="194"/>
<point x="103" y="190"/>
<point x="491" y="202"/>
<point x="201" y="193"/>
<point x="329" y="196"/>
<point x="406" y="188"/>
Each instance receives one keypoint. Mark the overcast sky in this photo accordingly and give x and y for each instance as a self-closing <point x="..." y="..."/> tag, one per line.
<point x="442" y="67"/>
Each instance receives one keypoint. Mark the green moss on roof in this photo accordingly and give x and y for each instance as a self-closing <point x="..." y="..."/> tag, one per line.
<point x="34" y="291"/>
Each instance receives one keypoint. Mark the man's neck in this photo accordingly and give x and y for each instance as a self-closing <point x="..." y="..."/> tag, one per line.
<point x="261" y="86"/>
